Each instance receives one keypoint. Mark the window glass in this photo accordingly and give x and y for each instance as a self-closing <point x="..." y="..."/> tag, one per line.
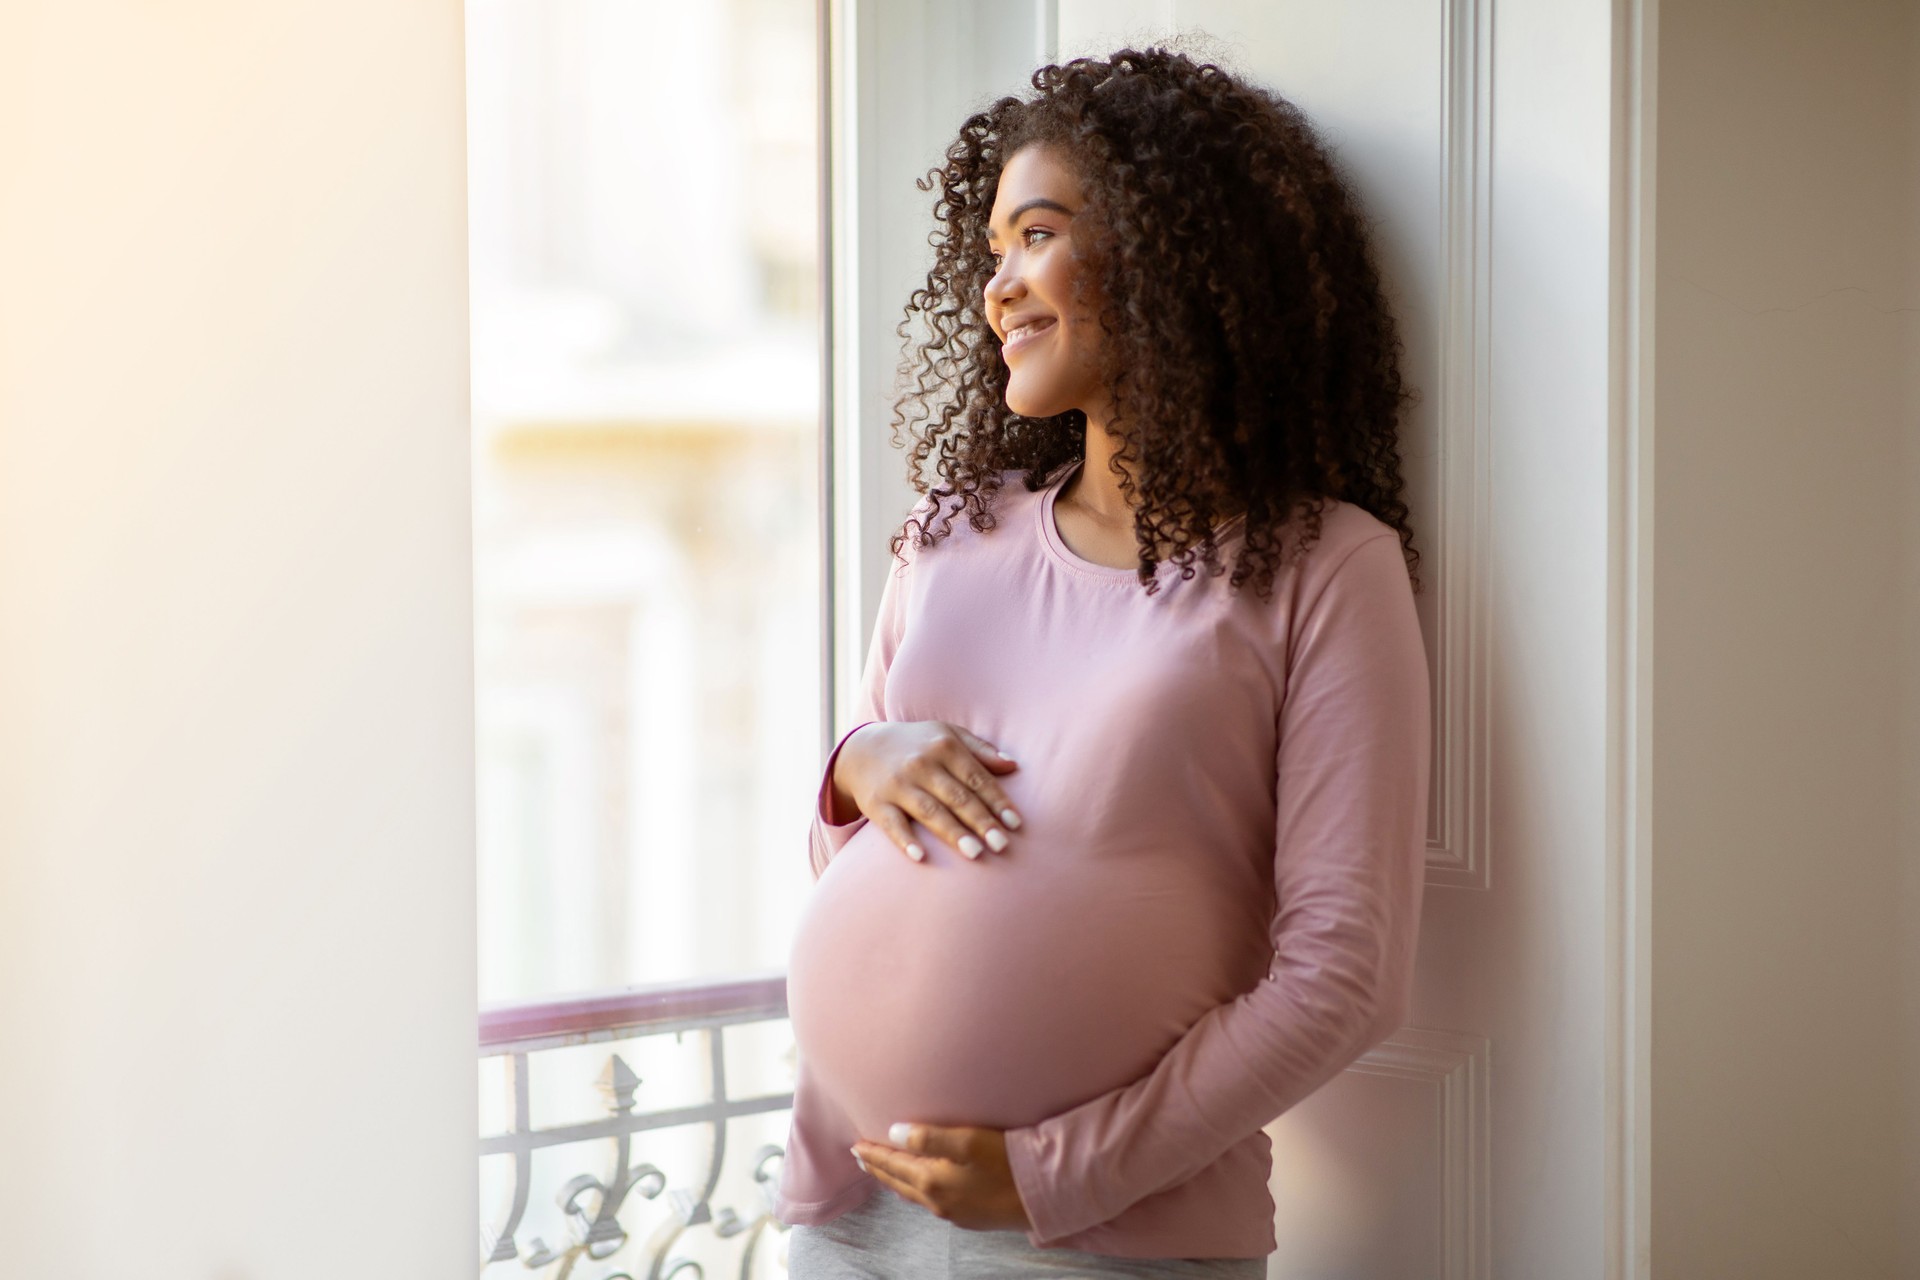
<point x="646" y="357"/>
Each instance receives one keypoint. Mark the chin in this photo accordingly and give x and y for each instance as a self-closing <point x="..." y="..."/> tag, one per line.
<point x="1029" y="405"/>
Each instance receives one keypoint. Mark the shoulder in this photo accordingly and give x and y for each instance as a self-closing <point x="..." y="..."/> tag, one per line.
<point x="952" y="516"/>
<point x="925" y="535"/>
<point x="1344" y="528"/>
<point x="1014" y="489"/>
<point x="1355" y="550"/>
<point x="1352" y="544"/>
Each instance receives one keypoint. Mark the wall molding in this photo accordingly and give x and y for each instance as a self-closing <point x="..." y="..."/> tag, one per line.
<point x="1457" y="854"/>
<point x="1630" y="534"/>
<point x="1455" y="1064"/>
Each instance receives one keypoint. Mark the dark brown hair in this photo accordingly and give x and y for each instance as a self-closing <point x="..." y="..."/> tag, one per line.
<point x="1252" y="359"/>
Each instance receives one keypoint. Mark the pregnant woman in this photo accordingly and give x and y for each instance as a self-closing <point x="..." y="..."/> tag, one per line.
<point x="1124" y="855"/>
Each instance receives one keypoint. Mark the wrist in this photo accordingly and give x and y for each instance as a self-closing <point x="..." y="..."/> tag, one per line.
<point x="841" y="806"/>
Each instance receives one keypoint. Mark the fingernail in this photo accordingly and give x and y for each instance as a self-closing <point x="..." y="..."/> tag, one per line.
<point x="856" y="1158"/>
<point x="971" y="847"/>
<point x="996" y="839"/>
<point x="915" y="852"/>
<point x="900" y="1134"/>
<point x="1011" y="818"/>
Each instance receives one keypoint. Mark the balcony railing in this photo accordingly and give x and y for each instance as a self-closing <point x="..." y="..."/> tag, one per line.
<point x="524" y="1038"/>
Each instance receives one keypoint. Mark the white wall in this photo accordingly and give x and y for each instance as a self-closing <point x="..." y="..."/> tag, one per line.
<point x="1786" y="790"/>
<point x="236" y="798"/>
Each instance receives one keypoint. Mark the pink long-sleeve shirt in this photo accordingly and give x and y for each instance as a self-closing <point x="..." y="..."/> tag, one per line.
<point x="1209" y="910"/>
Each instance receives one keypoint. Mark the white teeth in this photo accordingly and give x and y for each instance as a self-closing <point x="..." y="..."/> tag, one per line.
<point x="1032" y="326"/>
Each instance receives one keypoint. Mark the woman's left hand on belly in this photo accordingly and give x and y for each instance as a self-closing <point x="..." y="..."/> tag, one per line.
<point x="959" y="1172"/>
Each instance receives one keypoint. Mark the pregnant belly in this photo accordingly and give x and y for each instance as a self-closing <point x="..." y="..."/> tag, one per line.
<point x="1003" y="991"/>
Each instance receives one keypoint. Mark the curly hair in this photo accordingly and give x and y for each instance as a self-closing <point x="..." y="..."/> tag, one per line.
<point x="1251" y="357"/>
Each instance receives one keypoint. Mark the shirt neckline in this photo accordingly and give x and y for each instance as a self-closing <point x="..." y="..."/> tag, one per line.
<point x="1057" y="547"/>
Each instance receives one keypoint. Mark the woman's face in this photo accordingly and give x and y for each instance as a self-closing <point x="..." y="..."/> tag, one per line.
<point x="1050" y="360"/>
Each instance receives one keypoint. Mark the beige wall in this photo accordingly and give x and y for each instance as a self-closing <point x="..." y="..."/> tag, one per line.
<point x="236" y="745"/>
<point x="1787" y="641"/>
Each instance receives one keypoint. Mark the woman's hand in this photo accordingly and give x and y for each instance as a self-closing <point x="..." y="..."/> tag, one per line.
<point x="961" y="1173"/>
<point x="898" y="772"/>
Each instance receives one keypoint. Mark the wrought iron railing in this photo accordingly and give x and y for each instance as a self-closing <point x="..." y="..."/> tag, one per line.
<point x="591" y="1206"/>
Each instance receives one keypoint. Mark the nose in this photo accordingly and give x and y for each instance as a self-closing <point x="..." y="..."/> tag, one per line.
<point x="1004" y="285"/>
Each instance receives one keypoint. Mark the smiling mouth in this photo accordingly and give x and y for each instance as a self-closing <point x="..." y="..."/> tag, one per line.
<point x="1025" y="333"/>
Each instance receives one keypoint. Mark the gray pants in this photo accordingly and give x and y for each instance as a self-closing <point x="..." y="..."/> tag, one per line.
<point x="893" y="1238"/>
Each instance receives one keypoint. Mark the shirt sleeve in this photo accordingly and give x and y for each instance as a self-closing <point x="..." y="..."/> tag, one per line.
<point x="830" y="829"/>
<point x="1353" y="761"/>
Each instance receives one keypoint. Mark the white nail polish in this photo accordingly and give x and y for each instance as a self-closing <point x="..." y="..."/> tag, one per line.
<point x="996" y="839"/>
<point x="899" y="1134"/>
<point x="1011" y="818"/>
<point x="971" y="847"/>
<point x="915" y="852"/>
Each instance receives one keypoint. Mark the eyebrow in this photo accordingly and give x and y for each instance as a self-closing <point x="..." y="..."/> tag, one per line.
<point x="1038" y="202"/>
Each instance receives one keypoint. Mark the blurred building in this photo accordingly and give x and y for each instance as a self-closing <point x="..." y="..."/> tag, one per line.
<point x="645" y="404"/>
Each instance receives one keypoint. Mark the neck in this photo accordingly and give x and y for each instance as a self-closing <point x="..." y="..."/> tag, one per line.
<point x="1094" y="488"/>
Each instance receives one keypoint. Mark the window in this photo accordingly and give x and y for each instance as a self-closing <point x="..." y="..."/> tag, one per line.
<point x="646" y="353"/>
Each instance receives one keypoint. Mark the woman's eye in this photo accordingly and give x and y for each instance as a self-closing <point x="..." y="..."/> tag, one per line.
<point x="1023" y="236"/>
